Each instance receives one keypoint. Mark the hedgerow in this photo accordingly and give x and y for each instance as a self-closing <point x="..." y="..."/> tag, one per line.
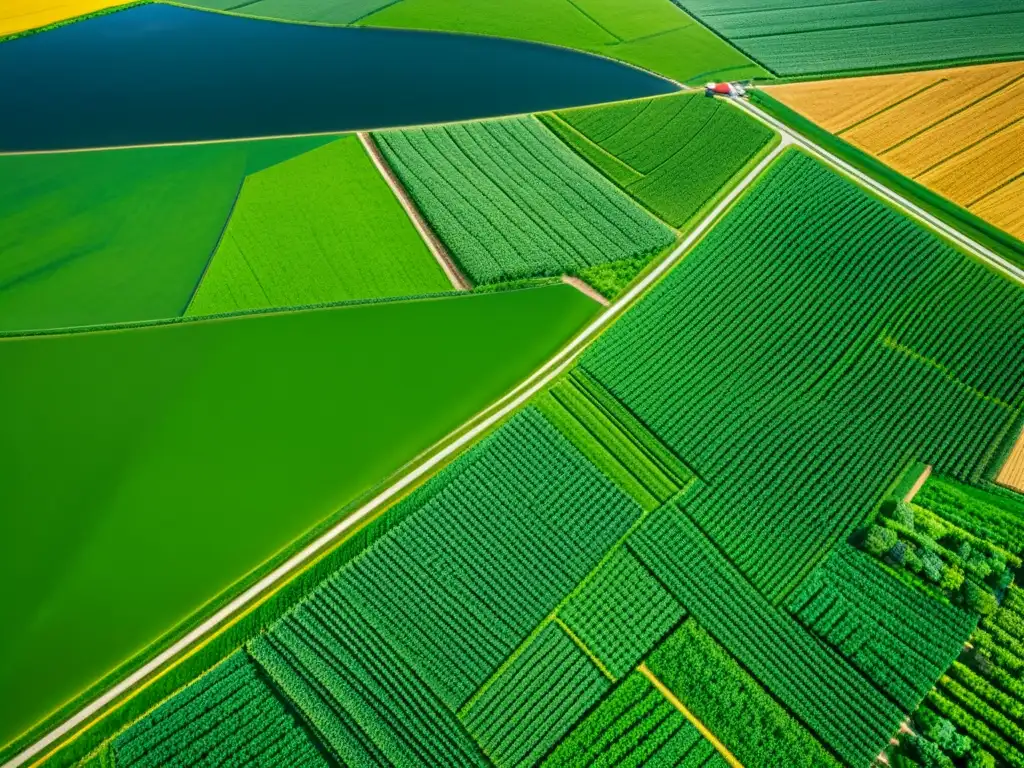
<point x="987" y="518"/>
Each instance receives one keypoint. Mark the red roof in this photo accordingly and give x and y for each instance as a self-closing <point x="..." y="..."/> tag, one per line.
<point x="722" y="88"/>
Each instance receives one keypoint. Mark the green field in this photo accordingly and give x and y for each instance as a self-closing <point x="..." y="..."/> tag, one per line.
<point x="93" y="238"/>
<point x="816" y="37"/>
<point x="651" y="34"/>
<point x="672" y="154"/>
<point x="200" y="449"/>
<point x="510" y="201"/>
<point x="321" y="227"/>
<point x="774" y="416"/>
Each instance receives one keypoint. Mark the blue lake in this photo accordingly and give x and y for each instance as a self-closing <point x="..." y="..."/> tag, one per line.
<point x="160" y="73"/>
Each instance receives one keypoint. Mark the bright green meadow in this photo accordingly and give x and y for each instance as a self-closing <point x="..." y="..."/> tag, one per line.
<point x="93" y="238"/>
<point x="320" y="227"/>
<point x="200" y="449"/>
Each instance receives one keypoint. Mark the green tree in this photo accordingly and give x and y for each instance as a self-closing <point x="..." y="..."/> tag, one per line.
<point x="879" y="540"/>
<point x="952" y="578"/>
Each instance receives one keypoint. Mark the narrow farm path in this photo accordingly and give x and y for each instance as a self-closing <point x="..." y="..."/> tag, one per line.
<point x="670" y="697"/>
<point x="451" y="269"/>
<point x="934" y="223"/>
<point x="585" y="288"/>
<point x="919" y="484"/>
<point x="434" y="457"/>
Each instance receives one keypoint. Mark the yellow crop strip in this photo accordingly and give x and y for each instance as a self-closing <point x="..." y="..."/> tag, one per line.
<point x="1012" y="473"/>
<point x="955" y="92"/>
<point x="836" y="105"/>
<point x="23" y="15"/>
<point x="675" y="702"/>
<point x="960" y="135"/>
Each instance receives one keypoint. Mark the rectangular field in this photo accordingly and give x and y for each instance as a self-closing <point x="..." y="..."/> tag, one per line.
<point x="819" y="37"/>
<point x="510" y="201"/>
<point x="673" y="154"/>
<point x="956" y="131"/>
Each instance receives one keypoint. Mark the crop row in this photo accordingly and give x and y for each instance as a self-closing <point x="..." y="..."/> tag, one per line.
<point x="510" y="201"/>
<point x="685" y="148"/>
<point x="352" y="684"/>
<point x="761" y="360"/>
<point x="972" y="720"/>
<point x="985" y="518"/>
<point x="633" y="726"/>
<point x="971" y="340"/>
<point x="800" y="38"/>
<point x="898" y="636"/>
<point x="228" y="717"/>
<point x="732" y="704"/>
<point x="621" y="613"/>
<point x="813" y="681"/>
<point x="536" y="700"/>
<point x="466" y="578"/>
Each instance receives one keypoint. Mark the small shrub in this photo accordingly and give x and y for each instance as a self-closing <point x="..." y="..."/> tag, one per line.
<point x="879" y="540"/>
<point x="904" y="515"/>
<point x="979" y="599"/>
<point x="944" y="734"/>
<point x="952" y="578"/>
<point x="933" y="565"/>
<point x="981" y="759"/>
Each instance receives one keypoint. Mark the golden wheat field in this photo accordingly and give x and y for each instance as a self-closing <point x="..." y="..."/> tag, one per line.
<point x="1012" y="473"/>
<point x="960" y="132"/>
<point x="21" y="15"/>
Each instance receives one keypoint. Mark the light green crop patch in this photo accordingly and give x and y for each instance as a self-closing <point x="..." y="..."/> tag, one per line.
<point x="320" y="227"/>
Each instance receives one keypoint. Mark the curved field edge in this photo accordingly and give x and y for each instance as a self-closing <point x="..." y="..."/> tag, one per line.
<point x="739" y="65"/>
<point x="959" y="218"/>
<point x="71" y="20"/>
<point x="566" y="310"/>
<point x="125" y="709"/>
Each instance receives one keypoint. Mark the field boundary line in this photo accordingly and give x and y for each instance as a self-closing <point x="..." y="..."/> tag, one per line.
<point x="951" y="115"/>
<point x="890" y="342"/>
<point x="671" y="698"/>
<point x="918" y="484"/>
<point x="432" y="241"/>
<point x="890" y="107"/>
<point x="586" y="289"/>
<point x="503" y="407"/>
<point x="216" y="246"/>
<point x="966" y="148"/>
<point x="995" y="190"/>
<point x="954" y="235"/>
<point x="343" y="132"/>
<point x="583" y="647"/>
<point x="571" y="128"/>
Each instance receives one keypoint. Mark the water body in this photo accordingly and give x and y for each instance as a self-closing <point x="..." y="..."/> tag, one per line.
<point x="160" y="73"/>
